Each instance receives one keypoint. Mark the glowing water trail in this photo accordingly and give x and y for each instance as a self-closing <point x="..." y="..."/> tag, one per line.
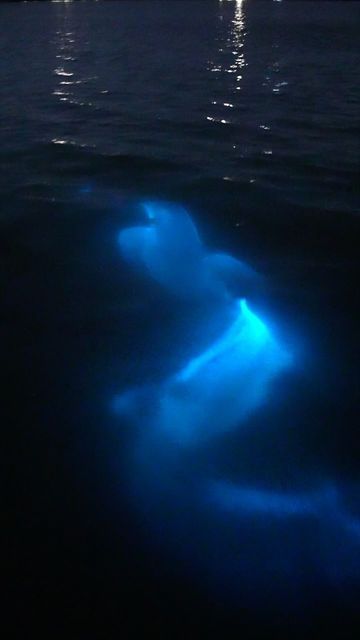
<point x="325" y="502"/>
<point x="212" y="393"/>
<point x="217" y="389"/>
<point x="170" y="251"/>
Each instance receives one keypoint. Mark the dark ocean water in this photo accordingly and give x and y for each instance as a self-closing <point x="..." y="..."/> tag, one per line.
<point x="246" y="113"/>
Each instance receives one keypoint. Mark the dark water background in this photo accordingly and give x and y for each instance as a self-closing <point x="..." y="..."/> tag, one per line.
<point x="246" y="113"/>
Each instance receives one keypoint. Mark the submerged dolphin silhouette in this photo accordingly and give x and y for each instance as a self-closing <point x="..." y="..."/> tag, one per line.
<point x="252" y="534"/>
<point x="170" y="250"/>
<point x="217" y="389"/>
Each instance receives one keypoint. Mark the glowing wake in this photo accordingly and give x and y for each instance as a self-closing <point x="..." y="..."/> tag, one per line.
<point x="169" y="249"/>
<point x="217" y="389"/>
<point x="213" y="393"/>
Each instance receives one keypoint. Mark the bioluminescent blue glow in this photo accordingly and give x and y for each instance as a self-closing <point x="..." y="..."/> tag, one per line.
<point x="323" y="505"/>
<point x="211" y="393"/>
<point x="272" y="504"/>
<point x="217" y="389"/>
<point x="169" y="249"/>
<point x="247" y="332"/>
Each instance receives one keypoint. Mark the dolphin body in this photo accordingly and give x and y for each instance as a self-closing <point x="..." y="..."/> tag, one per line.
<point x="246" y="540"/>
<point x="218" y="388"/>
<point x="170" y="251"/>
<point x="215" y="391"/>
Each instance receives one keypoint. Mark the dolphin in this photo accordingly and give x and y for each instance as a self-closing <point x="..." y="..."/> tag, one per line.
<point x="168" y="248"/>
<point x="219" y="387"/>
<point x="250" y="533"/>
